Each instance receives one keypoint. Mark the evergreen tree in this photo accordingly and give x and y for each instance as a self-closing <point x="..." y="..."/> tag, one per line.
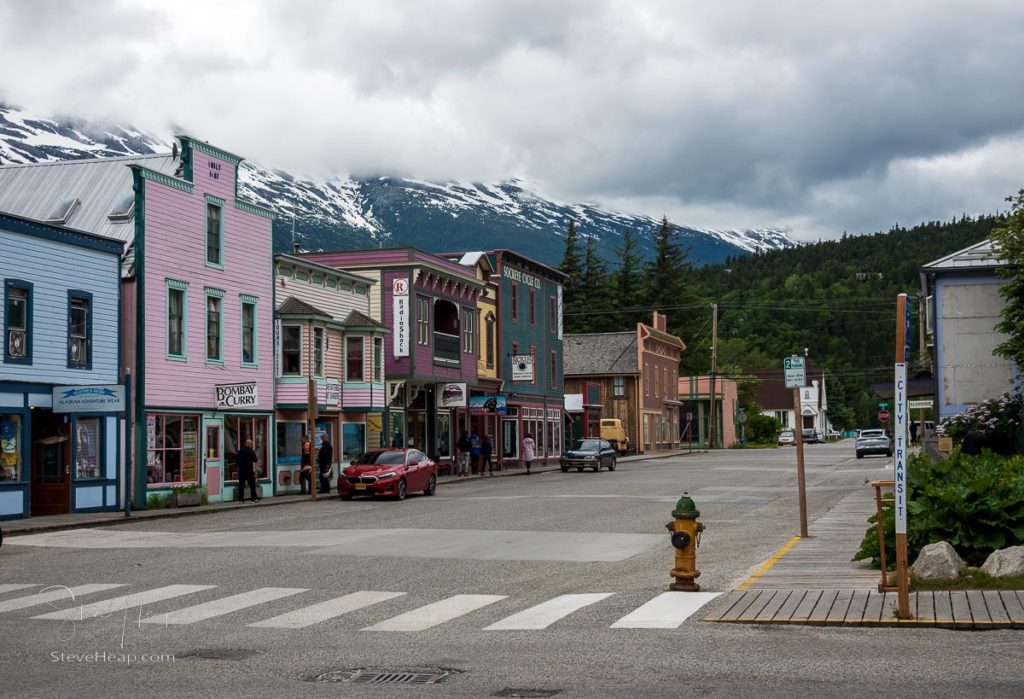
<point x="572" y="266"/>
<point x="670" y="290"/>
<point x="594" y="291"/>
<point x="1008" y="242"/>
<point x="627" y="284"/>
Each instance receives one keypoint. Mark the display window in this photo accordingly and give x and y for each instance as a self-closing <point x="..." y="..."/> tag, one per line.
<point x="87" y="448"/>
<point x="289" y="441"/>
<point x="237" y="430"/>
<point x="444" y="435"/>
<point x="172" y="453"/>
<point x="353" y="440"/>
<point x="11" y="467"/>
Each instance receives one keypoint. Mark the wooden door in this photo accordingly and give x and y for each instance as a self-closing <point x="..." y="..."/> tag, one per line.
<point x="51" y="475"/>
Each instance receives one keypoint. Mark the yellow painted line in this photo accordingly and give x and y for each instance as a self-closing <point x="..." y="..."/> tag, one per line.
<point x="769" y="563"/>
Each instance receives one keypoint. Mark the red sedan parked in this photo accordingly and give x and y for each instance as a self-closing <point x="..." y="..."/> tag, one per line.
<point x="391" y="472"/>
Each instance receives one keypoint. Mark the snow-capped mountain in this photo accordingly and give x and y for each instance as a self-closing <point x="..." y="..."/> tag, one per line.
<point x="387" y="211"/>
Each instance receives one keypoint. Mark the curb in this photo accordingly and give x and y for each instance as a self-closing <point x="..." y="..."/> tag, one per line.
<point x="277" y="500"/>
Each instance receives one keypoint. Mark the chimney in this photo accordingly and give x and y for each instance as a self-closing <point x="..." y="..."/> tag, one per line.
<point x="296" y="248"/>
<point x="660" y="322"/>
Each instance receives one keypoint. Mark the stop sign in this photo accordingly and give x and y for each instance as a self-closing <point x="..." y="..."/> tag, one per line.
<point x="883" y="415"/>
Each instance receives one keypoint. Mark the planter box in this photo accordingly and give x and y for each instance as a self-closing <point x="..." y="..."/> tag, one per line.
<point x="187" y="499"/>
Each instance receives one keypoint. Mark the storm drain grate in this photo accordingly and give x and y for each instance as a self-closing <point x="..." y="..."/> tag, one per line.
<point x="386" y="676"/>
<point x="528" y="693"/>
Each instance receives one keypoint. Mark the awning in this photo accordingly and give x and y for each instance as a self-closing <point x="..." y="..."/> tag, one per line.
<point x="669" y="401"/>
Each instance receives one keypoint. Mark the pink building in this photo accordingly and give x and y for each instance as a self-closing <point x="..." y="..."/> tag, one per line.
<point x="695" y="413"/>
<point x="202" y="309"/>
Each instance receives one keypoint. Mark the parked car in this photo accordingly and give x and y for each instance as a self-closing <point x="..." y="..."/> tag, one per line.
<point x="873" y="441"/>
<point x="388" y="472"/>
<point x="810" y="436"/>
<point x="786" y="437"/>
<point x="835" y="434"/>
<point x="819" y="436"/>
<point x="589" y="453"/>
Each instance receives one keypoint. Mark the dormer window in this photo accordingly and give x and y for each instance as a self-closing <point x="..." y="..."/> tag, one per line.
<point x="123" y="210"/>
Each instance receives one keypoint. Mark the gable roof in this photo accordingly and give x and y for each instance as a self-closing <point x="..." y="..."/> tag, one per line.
<point x="978" y="256"/>
<point x="599" y="353"/>
<point x="355" y="319"/>
<point x="292" y="306"/>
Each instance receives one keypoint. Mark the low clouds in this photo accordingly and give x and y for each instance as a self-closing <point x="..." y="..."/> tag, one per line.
<point x="820" y="117"/>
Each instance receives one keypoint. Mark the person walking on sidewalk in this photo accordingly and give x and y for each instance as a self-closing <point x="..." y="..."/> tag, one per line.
<point x="486" y="449"/>
<point x="324" y="462"/>
<point x="528" y="451"/>
<point x="463" y="447"/>
<point x="306" y="466"/>
<point x="474" y="453"/>
<point x="246" y="461"/>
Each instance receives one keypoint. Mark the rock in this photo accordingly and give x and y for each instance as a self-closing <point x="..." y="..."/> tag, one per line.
<point x="1005" y="562"/>
<point x="938" y="562"/>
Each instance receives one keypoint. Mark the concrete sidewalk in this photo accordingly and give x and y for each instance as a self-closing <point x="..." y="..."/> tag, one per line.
<point x="35" y="525"/>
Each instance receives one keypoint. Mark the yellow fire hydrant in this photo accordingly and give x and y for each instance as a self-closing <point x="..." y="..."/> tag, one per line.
<point x="685" y="530"/>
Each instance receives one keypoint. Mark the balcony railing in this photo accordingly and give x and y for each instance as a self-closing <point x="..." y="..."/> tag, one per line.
<point x="446" y="348"/>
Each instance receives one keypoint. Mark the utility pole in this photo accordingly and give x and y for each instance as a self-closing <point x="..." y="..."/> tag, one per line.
<point x="714" y="368"/>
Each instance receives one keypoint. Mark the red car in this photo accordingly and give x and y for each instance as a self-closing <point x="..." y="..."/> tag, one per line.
<point x="391" y="472"/>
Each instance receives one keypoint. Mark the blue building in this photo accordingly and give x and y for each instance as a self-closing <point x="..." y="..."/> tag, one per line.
<point x="60" y="318"/>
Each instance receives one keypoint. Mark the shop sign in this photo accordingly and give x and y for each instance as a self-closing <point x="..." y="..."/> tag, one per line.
<point x="333" y="393"/>
<point x="488" y="404"/>
<point x="522" y="367"/>
<point x="236" y="395"/>
<point x="518" y="275"/>
<point x="401" y="325"/>
<point x="89" y="399"/>
<point x="451" y="395"/>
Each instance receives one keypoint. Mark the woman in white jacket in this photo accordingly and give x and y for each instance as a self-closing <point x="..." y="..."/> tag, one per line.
<point x="528" y="451"/>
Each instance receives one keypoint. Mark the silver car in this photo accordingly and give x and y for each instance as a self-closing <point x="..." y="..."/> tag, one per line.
<point x="873" y="442"/>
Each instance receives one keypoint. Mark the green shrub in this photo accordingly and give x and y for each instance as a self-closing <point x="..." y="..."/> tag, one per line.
<point x="976" y="503"/>
<point x="761" y="427"/>
<point x="157" y="501"/>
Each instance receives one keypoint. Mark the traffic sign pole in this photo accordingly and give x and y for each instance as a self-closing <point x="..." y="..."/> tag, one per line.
<point x="900" y="451"/>
<point x="795" y="372"/>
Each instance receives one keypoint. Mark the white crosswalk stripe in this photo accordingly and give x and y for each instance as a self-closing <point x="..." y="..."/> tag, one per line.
<point x="545" y="614"/>
<point x="314" y="614"/>
<point x="118" y="604"/>
<point x="666" y="611"/>
<point x="225" y="605"/>
<point x="437" y="613"/>
<point x="55" y="593"/>
<point x="14" y="587"/>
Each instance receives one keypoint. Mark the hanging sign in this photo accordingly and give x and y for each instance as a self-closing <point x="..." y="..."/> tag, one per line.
<point x="332" y="393"/>
<point x="451" y="395"/>
<point x="401" y="322"/>
<point x="522" y="367"/>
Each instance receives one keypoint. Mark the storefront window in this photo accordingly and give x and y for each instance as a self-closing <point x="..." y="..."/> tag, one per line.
<point x="172" y="448"/>
<point x="509" y="439"/>
<point x="237" y="430"/>
<point x="289" y="441"/>
<point x="10" y="448"/>
<point x="444" y="435"/>
<point x="213" y="442"/>
<point x="353" y="440"/>
<point x="87" y="448"/>
<point x="395" y="433"/>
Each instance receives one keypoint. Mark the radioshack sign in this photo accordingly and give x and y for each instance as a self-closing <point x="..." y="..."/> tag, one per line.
<point x="236" y="395"/>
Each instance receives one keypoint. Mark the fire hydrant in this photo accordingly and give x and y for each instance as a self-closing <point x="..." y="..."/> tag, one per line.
<point x="685" y="530"/>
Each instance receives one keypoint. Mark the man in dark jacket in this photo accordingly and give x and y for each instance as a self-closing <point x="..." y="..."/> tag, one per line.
<point x="324" y="461"/>
<point x="246" y="460"/>
<point x="974" y="442"/>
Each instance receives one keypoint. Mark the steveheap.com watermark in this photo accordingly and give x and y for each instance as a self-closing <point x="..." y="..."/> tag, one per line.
<point x="109" y="657"/>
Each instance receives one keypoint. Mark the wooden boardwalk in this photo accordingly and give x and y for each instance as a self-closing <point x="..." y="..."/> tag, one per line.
<point x="971" y="609"/>
<point x="814" y="582"/>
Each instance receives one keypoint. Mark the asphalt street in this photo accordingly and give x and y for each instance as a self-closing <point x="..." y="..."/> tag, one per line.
<point x="547" y="585"/>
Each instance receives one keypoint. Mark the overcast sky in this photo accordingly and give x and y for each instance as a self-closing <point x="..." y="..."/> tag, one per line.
<point x="818" y="116"/>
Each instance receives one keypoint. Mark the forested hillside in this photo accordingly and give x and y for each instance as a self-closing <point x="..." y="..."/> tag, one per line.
<point x="835" y="299"/>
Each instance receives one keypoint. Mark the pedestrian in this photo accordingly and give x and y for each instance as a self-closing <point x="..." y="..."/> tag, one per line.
<point x="474" y="453"/>
<point x="486" y="449"/>
<point x="306" y="472"/>
<point x="974" y="442"/>
<point x="396" y="440"/>
<point x="913" y="433"/>
<point x="463" y="446"/>
<point x="246" y="461"/>
<point x="528" y="451"/>
<point x="324" y="462"/>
